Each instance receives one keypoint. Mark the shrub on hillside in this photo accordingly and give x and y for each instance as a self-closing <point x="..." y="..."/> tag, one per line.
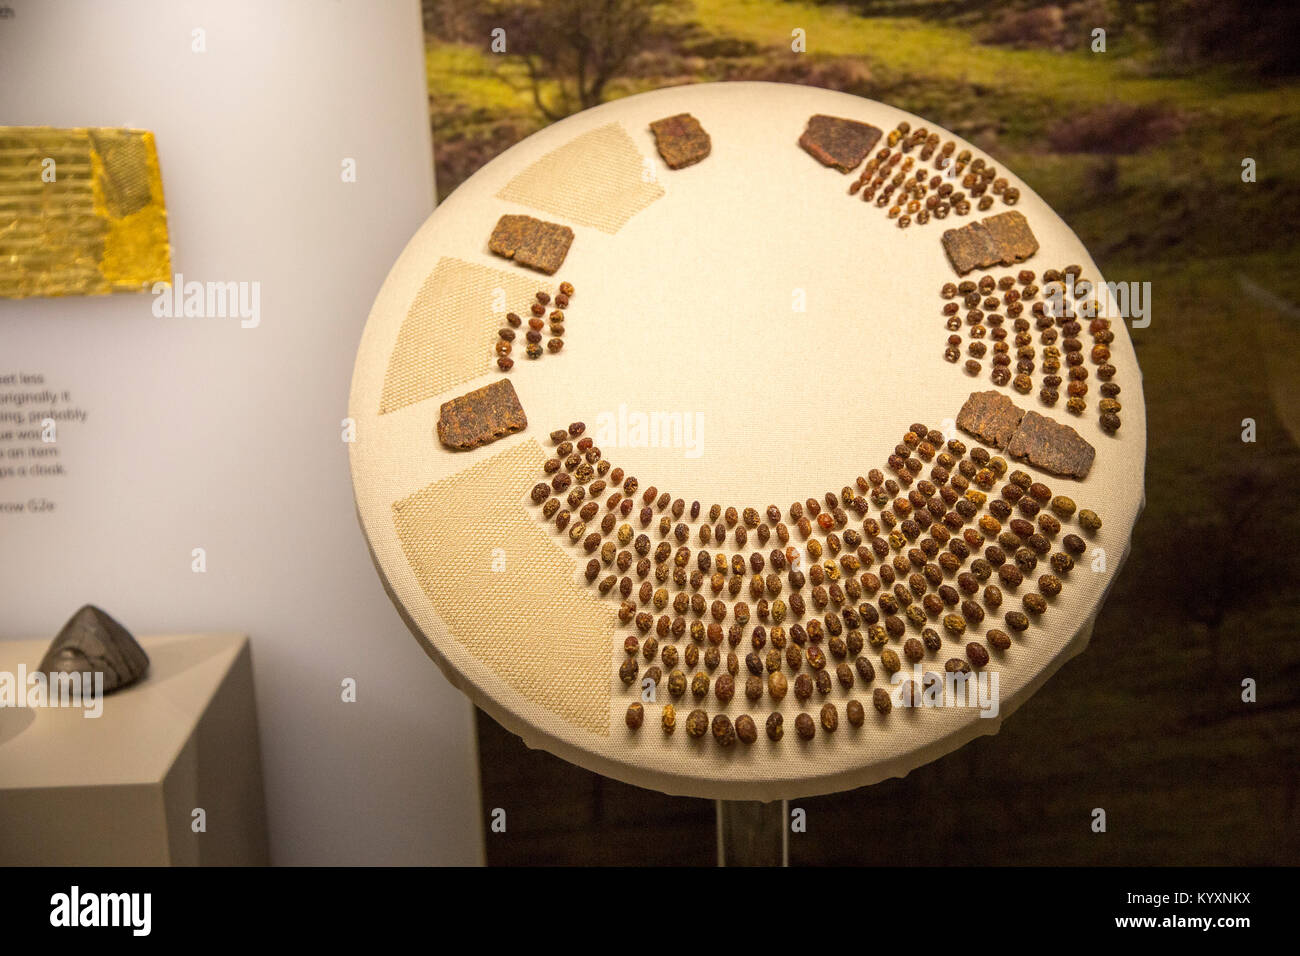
<point x="1114" y="128"/>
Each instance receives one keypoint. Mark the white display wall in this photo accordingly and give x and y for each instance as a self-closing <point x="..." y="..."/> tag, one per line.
<point x="225" y="433"/>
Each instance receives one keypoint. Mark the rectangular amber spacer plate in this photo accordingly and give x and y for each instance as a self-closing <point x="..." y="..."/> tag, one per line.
<point x="81" y="212"/>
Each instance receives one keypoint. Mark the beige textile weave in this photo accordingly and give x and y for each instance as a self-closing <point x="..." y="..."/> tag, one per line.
<point x="506" y="590"/>
<point x="81" y="212"/>
<point x="448" y="332"/>
<point x="598" y="179"/>
<point x="796" y="332"/>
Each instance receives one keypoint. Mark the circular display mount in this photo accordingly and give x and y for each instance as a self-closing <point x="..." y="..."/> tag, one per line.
<point x="745" y="331"/>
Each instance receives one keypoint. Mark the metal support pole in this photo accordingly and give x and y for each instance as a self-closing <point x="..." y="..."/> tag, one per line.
<point x="751" y="833"/>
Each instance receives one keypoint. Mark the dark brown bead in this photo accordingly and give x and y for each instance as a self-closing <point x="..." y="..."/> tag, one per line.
<point x="775" y="726"/>
<point x="745" y="729"/>
<point x="723" y="732"/>
<point x="805" y="727"/>
<point x="830" y="718"/>
<point x="1016" y="620"/>
<point x="854" y="712"/>
<point x="865" y="669"/>
<point x="635" y="715"/>
<point x="724" y="688"/>
<point x="803" y="686"/>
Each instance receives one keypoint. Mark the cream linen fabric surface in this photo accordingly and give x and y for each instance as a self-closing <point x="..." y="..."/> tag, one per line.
<point x="440" y="345"/>
<point x="801" y="329"/>
<point x="599" y="179"/>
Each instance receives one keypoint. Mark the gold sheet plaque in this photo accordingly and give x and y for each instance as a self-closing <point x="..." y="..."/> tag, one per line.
<point x="81" y="212"/>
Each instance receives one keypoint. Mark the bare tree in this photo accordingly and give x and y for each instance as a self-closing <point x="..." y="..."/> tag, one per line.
<point x="572" y="49"/>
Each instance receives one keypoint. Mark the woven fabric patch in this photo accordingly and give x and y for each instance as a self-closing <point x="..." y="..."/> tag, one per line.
<point x="81" y="212"/>
<point x="518" y="609"/>
<point x="447" y="335"/>
<point x="595" y="180"/>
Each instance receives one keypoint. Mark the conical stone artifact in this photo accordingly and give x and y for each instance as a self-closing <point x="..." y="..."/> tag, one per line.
<point x="93" y="641"/>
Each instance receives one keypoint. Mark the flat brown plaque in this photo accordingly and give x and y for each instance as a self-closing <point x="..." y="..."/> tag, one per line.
<point x="681" y="139"/>
<point x="991" y="417"/>
<point x="838" y="142"/>
<point x="1051" y="446"/>
<point x="531" y="242"/>
<point x="1012" y="237"/>
<point x="481" y="416"/>
<point x="1026" y="436"/>
<point x="1004" y="239"/>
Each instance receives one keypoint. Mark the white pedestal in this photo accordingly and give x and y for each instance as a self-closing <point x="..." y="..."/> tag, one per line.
<point x="121" y="789"/>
